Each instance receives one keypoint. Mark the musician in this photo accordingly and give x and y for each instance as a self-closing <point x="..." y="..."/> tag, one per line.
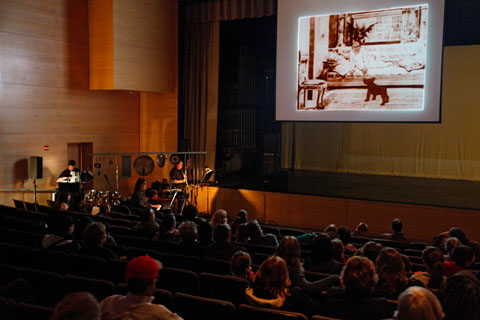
<point x="67" y="173"/>
<point x="177" y="176"/>
<point x="139" y="199"/>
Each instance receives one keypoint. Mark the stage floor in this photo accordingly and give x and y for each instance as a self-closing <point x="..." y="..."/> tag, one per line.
<point x="408" y="190"/>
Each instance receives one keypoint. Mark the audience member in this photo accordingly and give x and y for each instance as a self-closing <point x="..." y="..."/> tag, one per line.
<point x="345" y="236"/>
<point x="460" y="297"/>
<point x="167" y="230"/>
<point x="141" y="278"/>
<point x="463" y="258"/>
<point x="321" y="256"/>
<point x="190" y="212"/>
<point x="205" y="231"/>
<point x="257" y="236"/>
<point x="408" y="265"/>
<point x="338" y="251"/>
<point x="61" y="228"/>
<point x="77" y="306"/>
<point x="371" y="250"/>
<point x="331" y="230"/>
<point x="458" y="233"/>
<point x="188" y="243"/>
<point x="417" y="303"/>
<point x="241" y="265"/>
<point x="392" y="279"/>
<point x="397" y="234"/>
<point x="147" y="226"/>
<point x="271" y="288"/>
<point x="289" y="250"/>
<point x="242" y="233"/>
<point x="433" y="260"/>
<point x="360" y="230"/>
<point x="78" y="203"/>
<point x="19" y="290"/>
<point x="354" y="300"/>
<point x="222" y="248"/>
<point x="62" y="201"/>
<point x="450" y="244"/>
<point x="242" y="217"/>
<point x="95" y="236"/>
<point x="219" y="217"/>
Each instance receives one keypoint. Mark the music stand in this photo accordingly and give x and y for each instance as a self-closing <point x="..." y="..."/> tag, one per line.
<point x="69" y="186"/>
<point x="208" y="174"/>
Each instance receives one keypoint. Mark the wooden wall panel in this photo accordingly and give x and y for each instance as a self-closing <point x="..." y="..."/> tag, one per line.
<point x="43" y="62"/>
<point x="61" y="20"/>
<point x="58" y="110"/>
<point x="143" y="69"/>
<point x="304" y="211"/>
<point x="420" y="222"/>
<point x="136" y="47"/>
<point x="100" y="26"/>
<point x="145" y="24"/>
<point x="44" y="96"/>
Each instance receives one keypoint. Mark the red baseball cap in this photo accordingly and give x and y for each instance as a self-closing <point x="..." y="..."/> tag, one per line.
<point x="143" y="268"/>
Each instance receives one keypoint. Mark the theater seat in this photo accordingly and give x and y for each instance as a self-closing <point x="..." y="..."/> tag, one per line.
<point x="199" y="308"/>
<point x="99" y="288"/>
<point x="174" y="280"/>
<point x="182" y="261"/>
<point x="216" y="266"/>
<point x="29" y="311"/>
<point x="317" y="317"/>
<point x="256" y="313"/>
<point x="48" y="286"/>
<point x="228" y="288"/>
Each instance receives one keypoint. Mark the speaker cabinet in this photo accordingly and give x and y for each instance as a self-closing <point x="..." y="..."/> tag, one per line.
<point x="35" y="168"/>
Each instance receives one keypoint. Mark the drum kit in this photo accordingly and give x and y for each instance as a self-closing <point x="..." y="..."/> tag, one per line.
<point x="97" y="198"/>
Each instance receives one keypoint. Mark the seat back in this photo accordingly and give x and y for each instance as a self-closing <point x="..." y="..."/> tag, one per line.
<point x="174" y="280"/>
<point x="194" y="307"/>
<point x="88" y="266"/>
<point x="256" y="313"/>
<point x="30" y="311"/>
<point x="215" y="266"/>
<point x="318" y="317"/>
<point x="228" y="288"/>
<point x="99" y="288"/>
<point x="182" y="261"/>
<point x="19" y="204"/>
<point x="48" y="287"/>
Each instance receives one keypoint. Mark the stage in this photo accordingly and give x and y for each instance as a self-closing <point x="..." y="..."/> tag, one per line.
<point x="406" y="190"/>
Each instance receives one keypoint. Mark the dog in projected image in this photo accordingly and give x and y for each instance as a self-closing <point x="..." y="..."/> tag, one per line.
<point x="374" y="90"/>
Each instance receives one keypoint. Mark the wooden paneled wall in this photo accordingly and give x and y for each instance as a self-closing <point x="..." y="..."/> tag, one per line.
<point x="45" y="97"/>
<point x="420" y="222"/>
<point x="121" y="32"/>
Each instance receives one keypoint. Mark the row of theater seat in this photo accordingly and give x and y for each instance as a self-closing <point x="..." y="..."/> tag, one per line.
<point x="259" y="253"/>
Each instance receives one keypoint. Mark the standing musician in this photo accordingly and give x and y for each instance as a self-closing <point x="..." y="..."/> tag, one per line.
<point x="179" y="181"/>
<point x="67" y="173"/>
<point x="178" y="177"/>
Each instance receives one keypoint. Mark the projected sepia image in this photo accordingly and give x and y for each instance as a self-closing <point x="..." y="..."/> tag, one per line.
<point x="372" y="60"/>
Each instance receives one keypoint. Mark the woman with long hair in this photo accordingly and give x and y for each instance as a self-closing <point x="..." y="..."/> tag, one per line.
<point x="289" y="250"/>
<point x="433" y="260"/>
<point x="354" y="299"/>
<point x="271" y="288"/>
<point x="392" y="279"/>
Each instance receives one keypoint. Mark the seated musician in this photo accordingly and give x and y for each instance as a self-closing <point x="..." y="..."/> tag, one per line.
<point x="177" y="176"/>
<point x="139" y="199"/>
